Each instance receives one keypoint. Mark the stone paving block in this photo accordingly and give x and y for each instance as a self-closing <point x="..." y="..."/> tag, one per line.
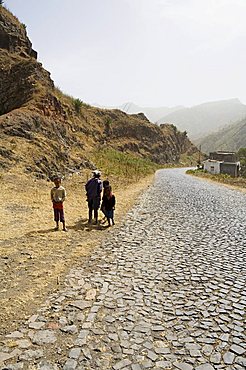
<point x="44" y="337"/>
<point x="228" y="358"/>
<point x="215" y="358"/>
<point x="70" y="329"/>
<point x="75" y="353"/>
<point x="241" y="361"/>
<point x="183" y="366"/>
<point x="31" y="354"/>
<point x="204" y="367"/>
<point x="136" y="367"/>
<point x="36" y="325"/>
<point x="147" y="364"/>
<point x="164" y="364"/>
<point x="237" y="349"/>
<point x="70" y="364"/>
<point x="121" y="364"/>
<point x="46" y="365"/>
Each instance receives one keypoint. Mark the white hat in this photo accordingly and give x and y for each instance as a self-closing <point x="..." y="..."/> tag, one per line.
<point x="96" y="173"/>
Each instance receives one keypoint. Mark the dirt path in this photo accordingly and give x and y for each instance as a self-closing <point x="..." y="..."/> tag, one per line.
<point x="33" y="258"/>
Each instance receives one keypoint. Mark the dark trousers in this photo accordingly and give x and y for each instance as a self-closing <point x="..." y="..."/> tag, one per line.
<point x="93" y="205"/>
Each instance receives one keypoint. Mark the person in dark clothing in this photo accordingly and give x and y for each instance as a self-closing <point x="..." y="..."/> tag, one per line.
<point x="93" y="189"/>
<point x="105" y="185"/>
<point x="108" y="204"/>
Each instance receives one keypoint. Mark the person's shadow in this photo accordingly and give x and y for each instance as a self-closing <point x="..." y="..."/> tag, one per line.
<point x="83" y="224"/>
<point x="46" y="231"/>
<point x="80" y="225"/>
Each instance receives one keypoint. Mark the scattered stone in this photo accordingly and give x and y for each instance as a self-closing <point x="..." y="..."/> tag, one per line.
<point x="44" y="337"/>
<point x="31" y="355"/>
<point x="53" y="325"/>
<point x="24" y="343"/>
<point x="15" y="334"/>
<point x="90" y="294"/>
<point x="82" y="305"/>
<point x="70" y="364"/>
<point x="70" y="329"/>
<point x="74" y="353"/>
<point x="36" y="325"/>
<point x="45" y="365"/>
<point x="32" y="318"/>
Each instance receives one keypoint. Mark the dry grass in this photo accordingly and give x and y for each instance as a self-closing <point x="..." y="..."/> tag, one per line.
<point x="238" y="183"/>
<point x="7" y="14"/>
<point x="34" y="258"/>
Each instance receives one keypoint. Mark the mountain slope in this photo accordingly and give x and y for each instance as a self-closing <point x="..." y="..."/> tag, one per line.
<point x="203" y="119"/>
<point x="153" y="114"/>
<point x="230" y="138"/>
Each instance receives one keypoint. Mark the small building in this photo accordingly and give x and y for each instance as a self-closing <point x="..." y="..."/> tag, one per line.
<point x="222" y="162"/>
<point x="212" y="166"/>
<point x="223" y="156"/>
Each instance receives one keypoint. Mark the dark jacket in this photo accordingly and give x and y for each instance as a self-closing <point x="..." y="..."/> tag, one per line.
<point x="93" y="188"/>
<point x="108" y="203"/>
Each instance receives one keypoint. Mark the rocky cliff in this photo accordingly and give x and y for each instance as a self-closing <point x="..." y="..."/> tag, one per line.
<point x="43" y="130"/>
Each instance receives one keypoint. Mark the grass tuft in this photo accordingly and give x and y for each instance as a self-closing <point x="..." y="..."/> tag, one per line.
<point x="222" y="178"/>
<point x="123" y="166"/>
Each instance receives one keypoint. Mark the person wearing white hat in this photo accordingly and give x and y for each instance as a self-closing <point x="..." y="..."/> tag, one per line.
<point x="93" y="189"/>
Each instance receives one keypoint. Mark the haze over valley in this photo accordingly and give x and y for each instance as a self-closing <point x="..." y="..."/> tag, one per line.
<point x="202" y="122"/>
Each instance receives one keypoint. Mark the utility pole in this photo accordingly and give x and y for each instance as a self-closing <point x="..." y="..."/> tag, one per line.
<point x="199" y="157"/>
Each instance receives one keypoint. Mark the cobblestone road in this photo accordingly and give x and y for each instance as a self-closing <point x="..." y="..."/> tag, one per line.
<point x="165" y="290"/>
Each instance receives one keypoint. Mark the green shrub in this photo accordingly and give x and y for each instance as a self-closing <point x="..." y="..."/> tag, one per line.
<point x="123" y="165"/>
<point x="77" y="103"/>
<point x="222" y="178"/>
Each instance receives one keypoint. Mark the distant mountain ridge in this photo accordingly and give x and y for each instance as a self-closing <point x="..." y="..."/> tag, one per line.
<point x="230" y="138"/>
<point x="153" y="114"/>
<point x="199" y="121"/>
<point x="205" y="118"/>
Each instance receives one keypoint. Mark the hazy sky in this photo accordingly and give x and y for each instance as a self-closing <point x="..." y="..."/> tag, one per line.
<point x="150" y="52"/>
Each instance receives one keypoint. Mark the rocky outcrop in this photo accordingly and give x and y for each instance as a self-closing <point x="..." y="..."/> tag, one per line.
<point x="21" y="76"/>
<point x="20" y="79"/>
<point x="162" y="144"/>
<point x="13" y="35"/>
